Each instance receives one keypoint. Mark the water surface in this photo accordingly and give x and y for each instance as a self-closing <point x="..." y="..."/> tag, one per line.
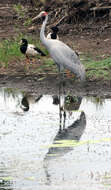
<point x="35" y="155"/>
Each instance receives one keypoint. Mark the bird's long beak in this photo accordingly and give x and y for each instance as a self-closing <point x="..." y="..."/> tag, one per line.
<point x="37" y="17"/>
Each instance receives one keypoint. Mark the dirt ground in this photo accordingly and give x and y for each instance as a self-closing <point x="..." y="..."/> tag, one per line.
<point x="95" y="42"/>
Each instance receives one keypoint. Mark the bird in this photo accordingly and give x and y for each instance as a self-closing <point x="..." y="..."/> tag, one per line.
<point x="53" y="34"/>
<point x="29" y="49"/>
<point x="63" y="56"/>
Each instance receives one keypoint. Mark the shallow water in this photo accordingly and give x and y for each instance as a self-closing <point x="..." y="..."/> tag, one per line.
<point x="35" y="155"/>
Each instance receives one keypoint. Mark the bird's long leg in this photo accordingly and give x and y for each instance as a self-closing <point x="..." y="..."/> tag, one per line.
<point x="33" y="60"/>
<point x="62" y="112"/>
<point x="69" y="75"/>
<point x="27" y="62"/>
<point x="60" y="107"/>
<point x="64" y="119"/>
<point x="63" y="91"/>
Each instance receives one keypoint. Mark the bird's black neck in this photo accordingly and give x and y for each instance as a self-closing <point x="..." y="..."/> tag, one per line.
<point x="54" y="35"/>
<point x="23" y="47"/>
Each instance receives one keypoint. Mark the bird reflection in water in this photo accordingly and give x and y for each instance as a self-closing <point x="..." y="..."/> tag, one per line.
<point x="27" y="99"/>
<point x="66" y="135"/>
<point x="68" y="104"/>
<point x="72" y="133"/>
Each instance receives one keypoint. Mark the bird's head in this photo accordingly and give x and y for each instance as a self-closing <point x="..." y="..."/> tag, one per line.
<point x="54" y="29"/>
<point x="42" y="15"/>
<point x="23" y="41"/>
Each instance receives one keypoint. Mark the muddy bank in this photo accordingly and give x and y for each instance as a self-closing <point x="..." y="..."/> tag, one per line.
<point x="89" y="36"/>
<point x="38" y="84"/>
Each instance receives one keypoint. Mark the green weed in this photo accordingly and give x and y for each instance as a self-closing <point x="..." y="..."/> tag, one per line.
<point x="28" y="22"/>
<point x="98" y="69"/>
<point x="10" y="49"/>
<point x="19" y="10"/>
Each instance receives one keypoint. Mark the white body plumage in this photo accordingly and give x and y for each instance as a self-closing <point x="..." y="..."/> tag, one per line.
<point x="31" y="50"/>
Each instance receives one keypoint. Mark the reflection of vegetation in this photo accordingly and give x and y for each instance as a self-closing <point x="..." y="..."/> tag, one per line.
<point x="5" y="183"/>
<point x="98" y="101"/>
<point x="72" y="102"/>
<point x="106" y="180"/>
<point x="12" y="94"/>
<point x="10" y="91"/>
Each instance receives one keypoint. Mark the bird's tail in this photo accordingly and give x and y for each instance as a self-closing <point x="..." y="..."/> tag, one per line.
<point x="43" y="54"/>
<point x="40" y="52"/>
<point x="81" y="72"/>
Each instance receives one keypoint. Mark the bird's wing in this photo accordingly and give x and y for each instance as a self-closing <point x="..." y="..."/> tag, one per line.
<point x="60" y="50"/>
<point x="64" y="56"/>
<point x="34" y="50"/>
<point x="39" y="51"/>
<point x="30" y="50"/>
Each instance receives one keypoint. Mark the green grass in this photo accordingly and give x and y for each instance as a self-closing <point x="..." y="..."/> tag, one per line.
<point x="98" y="69"/>
<point x="19" y="9"/>
<point x="10" y="49"/>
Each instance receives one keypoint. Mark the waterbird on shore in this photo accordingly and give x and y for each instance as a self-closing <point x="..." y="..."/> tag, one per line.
<point x="29" y="49"/>
<point x="63" y="56"/>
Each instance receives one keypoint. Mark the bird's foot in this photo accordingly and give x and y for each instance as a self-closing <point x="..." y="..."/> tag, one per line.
<point x="69" y="74"/>
<point x="27" y="67"/>
<point x="32" y="61"/>
<point x="27" y="64"/>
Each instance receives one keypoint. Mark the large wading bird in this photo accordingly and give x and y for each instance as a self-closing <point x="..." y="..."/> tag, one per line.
<point x="63" y="55"/>
<point x="29" y="49"/>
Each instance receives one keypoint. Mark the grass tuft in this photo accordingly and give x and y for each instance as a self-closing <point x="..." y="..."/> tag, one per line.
<point x="98" y="69"/>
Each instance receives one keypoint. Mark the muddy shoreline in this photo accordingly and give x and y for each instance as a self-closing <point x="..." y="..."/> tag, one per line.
<point x="50" y="85"/>
<point x="92" y="38"/>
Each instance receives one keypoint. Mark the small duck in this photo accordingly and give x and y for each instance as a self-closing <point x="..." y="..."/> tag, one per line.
<point x="53" y="35"/>
<point x="29" y="49"/>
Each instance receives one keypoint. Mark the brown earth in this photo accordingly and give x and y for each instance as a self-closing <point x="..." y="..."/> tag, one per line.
<point x="90" y="37"/>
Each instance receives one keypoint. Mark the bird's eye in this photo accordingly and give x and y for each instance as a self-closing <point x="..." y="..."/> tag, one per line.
<point x="45" y="13"/>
